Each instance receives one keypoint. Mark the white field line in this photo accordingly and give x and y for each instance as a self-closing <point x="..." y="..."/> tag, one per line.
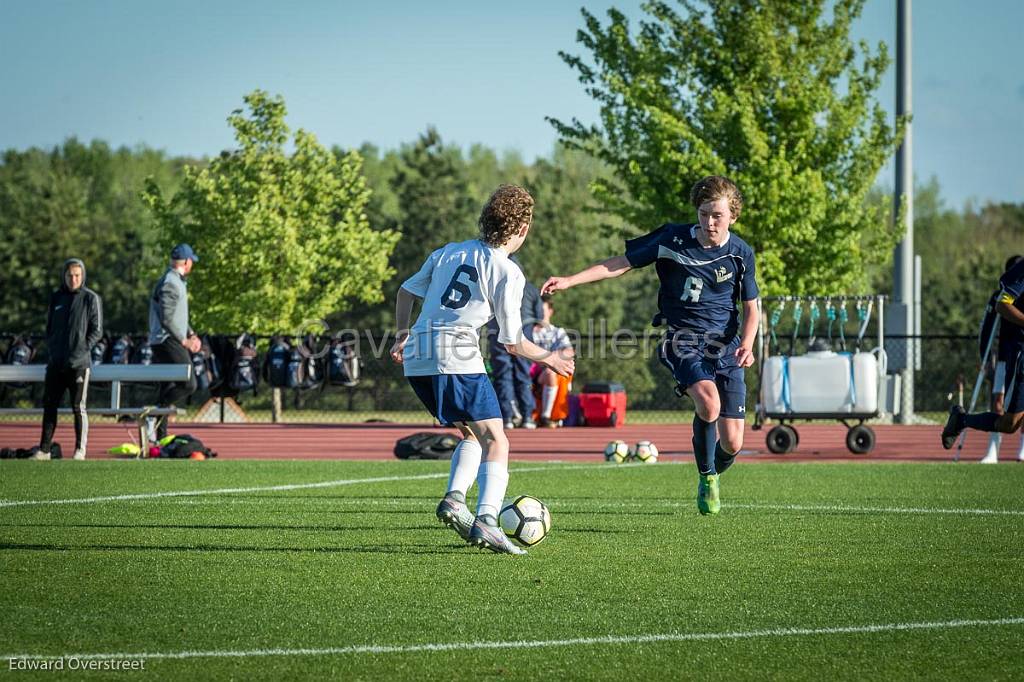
<point x="532" y="644"/>
<point x="570" y="467"/>
<point x="848" y="509"/>
<point x="879" y="510"/>
<point x="279" y="488"/>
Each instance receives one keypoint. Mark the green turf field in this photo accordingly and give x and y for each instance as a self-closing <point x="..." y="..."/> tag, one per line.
<point x="812" y="571"/>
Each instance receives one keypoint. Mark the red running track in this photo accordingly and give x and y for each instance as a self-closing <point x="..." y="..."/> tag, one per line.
<point x="818" y="442"/>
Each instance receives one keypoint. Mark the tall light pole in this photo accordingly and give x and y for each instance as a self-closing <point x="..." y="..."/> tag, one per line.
<point x="902" y="312"/>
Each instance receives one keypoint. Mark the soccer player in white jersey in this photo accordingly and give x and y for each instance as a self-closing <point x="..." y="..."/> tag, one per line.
<point x="462" y="286"/>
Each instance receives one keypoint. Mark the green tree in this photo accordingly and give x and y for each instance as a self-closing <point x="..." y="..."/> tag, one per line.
<point x="81" y="201"/>
<point x="772" y="93"/>
<point x="284" y="237"/>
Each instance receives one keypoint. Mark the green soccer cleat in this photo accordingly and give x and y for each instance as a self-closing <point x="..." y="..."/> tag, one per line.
<point x="707" y="495"/>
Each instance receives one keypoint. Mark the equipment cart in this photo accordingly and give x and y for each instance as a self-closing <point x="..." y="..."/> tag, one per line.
<point x="822" y="383"/>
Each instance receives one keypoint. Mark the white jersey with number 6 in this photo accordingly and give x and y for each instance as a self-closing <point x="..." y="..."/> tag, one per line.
<point x="463" y="286"/>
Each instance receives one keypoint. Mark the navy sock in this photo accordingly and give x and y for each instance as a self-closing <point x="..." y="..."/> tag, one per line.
<point x="705" y="440"/>
<point x="723" y="460"/>
<point x="981" y="421"/>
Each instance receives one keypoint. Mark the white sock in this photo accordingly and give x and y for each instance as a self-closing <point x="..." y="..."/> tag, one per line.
<point x="548" y="397"/>
<point x="1020" y="453"/>
<point x="994" y="440"/>
<point x="465" y="462"/>
<point x="493" y="479"/>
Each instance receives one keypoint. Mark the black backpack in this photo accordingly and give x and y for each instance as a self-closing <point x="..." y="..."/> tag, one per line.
<point x="426" y="445"/>
<point x="206" y="367"/>
<point x="143" y="354"/>
<point x="183" y="446"/>
<point x="20" y="352"/>
<point x="303" y="369"/>
<point x="244" y="375"/>
<point x="121" y="351"/>
<point x="342" y="362"/>
<point x="25" y="453"/>
<point x="212" y="363"/>
<point x="275" y="366"/>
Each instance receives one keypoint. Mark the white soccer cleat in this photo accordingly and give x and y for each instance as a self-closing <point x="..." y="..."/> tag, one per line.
<point x="39" y="454"/>
<point x="79" y="455"/>
<point x="455" y="515"/>
<point x="490" y="536"/>
<point x="990" y="458"/>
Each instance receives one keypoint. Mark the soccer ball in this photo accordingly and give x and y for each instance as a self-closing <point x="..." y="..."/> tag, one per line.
<point x="617" y="451"/>
<point x="646" y="452"/>
<point x="526" y="520"/>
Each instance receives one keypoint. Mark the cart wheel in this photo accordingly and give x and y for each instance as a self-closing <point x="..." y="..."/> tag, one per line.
<point x="860" y="439"/>
<point x="781" y="439"/>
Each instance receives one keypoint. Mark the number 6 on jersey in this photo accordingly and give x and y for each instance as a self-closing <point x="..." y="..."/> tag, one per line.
<point x="457" y="295"/>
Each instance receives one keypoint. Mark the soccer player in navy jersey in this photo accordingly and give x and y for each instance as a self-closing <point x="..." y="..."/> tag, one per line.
<point x="1011" y="286"/>
<point x="704" y="272"/>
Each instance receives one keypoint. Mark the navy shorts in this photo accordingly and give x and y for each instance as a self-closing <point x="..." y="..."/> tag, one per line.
<point x="690" y="364"/>
<point x="454" y="398"/>
<point x="1013" y="402"/>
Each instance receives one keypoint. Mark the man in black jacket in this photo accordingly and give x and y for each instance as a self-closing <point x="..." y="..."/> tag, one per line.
<point x="74" y="324"/>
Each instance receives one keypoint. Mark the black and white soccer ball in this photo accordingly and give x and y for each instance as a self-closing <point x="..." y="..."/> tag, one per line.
<point x="526" y="520"/>
<point x="616" y="451"/>
<point x="646" y="452"/>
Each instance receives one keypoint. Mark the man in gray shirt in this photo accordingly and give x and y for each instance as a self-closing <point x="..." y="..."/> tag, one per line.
<point x="170" y="335"/>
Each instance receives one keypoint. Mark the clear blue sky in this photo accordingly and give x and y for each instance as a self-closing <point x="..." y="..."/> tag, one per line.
<point x="167" y="74"/>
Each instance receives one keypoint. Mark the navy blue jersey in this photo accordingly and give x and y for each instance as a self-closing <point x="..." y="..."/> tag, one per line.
<point x="699" y="286"/>
<point x="1011" y="291"/>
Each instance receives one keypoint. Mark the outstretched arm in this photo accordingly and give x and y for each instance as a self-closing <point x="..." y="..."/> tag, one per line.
<point x="560" y="361"/>
<point x="606" y="269"/>
<point x="403" y="317"/>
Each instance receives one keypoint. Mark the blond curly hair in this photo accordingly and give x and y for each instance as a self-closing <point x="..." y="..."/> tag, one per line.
<point x="508" y="210"/>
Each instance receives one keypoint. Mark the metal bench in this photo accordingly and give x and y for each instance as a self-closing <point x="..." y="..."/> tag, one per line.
<point x="115" y="375"/>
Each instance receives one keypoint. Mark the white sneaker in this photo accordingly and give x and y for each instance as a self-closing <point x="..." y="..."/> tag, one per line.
<point x="509" y="426"/>
<point x="39" y="454"/>
<point x="990" y="458"/>
<point x="79" y="455"/>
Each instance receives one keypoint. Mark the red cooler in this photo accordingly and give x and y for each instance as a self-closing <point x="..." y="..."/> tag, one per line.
<point x="603" y="403"/>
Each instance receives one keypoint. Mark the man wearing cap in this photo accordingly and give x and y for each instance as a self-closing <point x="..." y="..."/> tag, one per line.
<point x="170" y="335"/>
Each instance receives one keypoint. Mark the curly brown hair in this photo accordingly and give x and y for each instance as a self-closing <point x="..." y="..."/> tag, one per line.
<point x="715" y="187"/>
<point x="506" y="212"/>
